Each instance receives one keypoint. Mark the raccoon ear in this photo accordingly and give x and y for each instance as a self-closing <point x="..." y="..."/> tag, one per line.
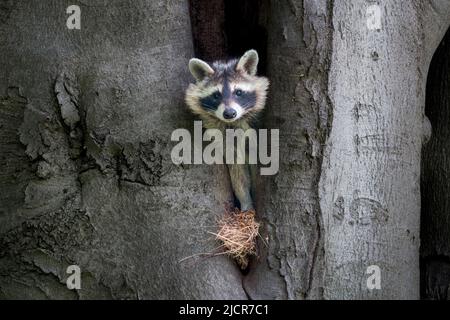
<point x="248" y="62"/>
<point x="200" y="69"/>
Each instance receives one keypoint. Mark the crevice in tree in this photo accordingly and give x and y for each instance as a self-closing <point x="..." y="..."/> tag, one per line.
<point x="435" y="183"/>
<point x="245" y="29"/>
<point x="247" y="269"/>
<point x="318" y="253"/>
<point x="223" y="29"/>
<point x="245" y="291"/>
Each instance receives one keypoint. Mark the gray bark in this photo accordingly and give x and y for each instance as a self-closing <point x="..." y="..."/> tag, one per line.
<point x="370" y="182"/>
<point x="299" y="49"/>
<point x="369" y="190"/>
<point x="86" y="178"/>
<point x="435" y="21"/>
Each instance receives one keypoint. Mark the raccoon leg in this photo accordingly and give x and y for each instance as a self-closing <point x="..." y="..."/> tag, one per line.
<point x="241" y="183"/>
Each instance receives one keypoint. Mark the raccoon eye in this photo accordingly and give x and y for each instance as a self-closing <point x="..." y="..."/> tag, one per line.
<point x="238" y="92"/>
<point x="216" y="95"/>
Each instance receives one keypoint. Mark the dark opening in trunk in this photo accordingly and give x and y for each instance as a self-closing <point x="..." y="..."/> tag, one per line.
<point x="435" y="181"/>
<point x="225" y="29"/>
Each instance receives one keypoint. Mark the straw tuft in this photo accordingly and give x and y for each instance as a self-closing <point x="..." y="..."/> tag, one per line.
<point x="238" y="232"/>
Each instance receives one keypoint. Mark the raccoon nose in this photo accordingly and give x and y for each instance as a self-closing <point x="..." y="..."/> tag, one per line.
<point x="229" y="114"/>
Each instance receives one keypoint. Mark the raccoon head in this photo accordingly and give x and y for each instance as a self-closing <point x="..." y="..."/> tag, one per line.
<point x="227" y="91"/>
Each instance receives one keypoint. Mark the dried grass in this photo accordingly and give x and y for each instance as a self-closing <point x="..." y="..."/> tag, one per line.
<point x="238" y="232"/>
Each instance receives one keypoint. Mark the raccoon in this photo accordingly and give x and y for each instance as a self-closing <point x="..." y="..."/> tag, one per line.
<point x="229" y="94"/>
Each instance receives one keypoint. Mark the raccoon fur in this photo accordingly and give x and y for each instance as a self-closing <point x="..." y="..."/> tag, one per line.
<point x="229" y="94"/>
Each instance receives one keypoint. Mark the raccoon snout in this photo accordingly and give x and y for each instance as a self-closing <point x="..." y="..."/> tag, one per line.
<point x="229" y="113"/>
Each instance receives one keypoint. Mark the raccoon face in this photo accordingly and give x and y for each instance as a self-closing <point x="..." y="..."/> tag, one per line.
<point x="227" y="91"/>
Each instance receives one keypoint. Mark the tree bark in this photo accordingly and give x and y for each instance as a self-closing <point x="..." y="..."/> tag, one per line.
<point x="86" y="177"/>
<point x="208" y="23"/>
<point x="370" y="189"/>
<point x="299" y="49"/>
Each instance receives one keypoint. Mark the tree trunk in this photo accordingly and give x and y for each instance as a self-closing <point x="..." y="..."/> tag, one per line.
<point x="370" y="184"/>
<point x="299" y="49"/>
<point x="208" y="23"/>
<point x="86" y="172"/>
<point x="87" y="179"/>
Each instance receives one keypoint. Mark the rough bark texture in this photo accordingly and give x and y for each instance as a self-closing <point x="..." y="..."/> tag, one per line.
<point x="370" y="193"/>
<point x="86" y="177"/>
<point x="299" y="55"/>
<point x="435" y="222"/>
<point x="435" y="22"/>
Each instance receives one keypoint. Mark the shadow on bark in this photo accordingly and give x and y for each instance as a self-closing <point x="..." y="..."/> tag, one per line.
<point x="224" y="29"/>
<point x="435" y="182"/>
